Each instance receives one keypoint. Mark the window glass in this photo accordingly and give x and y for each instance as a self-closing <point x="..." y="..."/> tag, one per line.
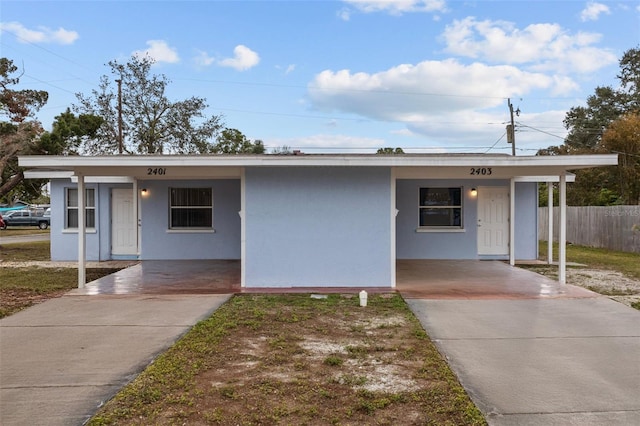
<point x="191" y="208"/>
<point x="441" y="207"/>
<point x="71" y="210"/>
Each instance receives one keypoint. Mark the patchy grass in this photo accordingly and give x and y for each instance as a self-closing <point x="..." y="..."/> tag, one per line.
<point x="24" y="287"/>
<point x="291" y="359"/>
<point x="38" y="250"/>
<point x="626" y="263"/>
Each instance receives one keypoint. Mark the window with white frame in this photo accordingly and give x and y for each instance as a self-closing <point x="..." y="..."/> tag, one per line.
<point x="190" y="208"/>
<point x="441" y="208"/>
<point x="71" y="208"/>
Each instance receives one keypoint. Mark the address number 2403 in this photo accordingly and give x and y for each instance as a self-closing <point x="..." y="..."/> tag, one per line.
<point x="480" y="171"/>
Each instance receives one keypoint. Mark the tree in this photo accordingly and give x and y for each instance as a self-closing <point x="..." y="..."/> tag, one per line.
<point x="623" y="138"/>
<point x="587" y="125"/>
<point x="19" y="131"/>
<point x="282" y="150"/>
<point x="151" y="123"/>
<point x="69" y="133"/>
<point x="390" y="151"/>
<point x="232" y="141"/>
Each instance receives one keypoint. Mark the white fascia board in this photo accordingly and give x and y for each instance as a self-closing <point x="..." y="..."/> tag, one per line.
<point x="43" y="174"/>
<point x="570" y="178"/>
<point x="104" y="179"/>
<point x="567" y="162"/>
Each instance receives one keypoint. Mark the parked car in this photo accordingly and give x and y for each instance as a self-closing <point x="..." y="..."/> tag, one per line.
<point x="25" y="218"/>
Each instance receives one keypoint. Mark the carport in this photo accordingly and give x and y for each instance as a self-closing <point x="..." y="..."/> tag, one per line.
<point x="416" y="279"/>
<point x="288" y="214"/>
<point x="477" y="279"/>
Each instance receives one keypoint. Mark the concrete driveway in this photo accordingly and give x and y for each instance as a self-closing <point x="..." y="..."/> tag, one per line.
<point x="62" y="359"/>
<point x="541" y="361"/>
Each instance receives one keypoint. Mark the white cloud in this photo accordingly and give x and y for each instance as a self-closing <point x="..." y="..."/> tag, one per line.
<point x="344" y="14"/>
<point x="479" y="131"/>
<point x="593" y="11"/>
<point x="288" y="69"/>
<point x="441" y="103"/>
<point x="395" y="7"/>
<point x="414" y="93"/>
<point x="243" y="59"/>
<point x="40" y="35"/>
<point x="329" y="143"/>
<point x="542" y="47"/>
<point x="203" y="59"/>
<point x="159" y="51"/>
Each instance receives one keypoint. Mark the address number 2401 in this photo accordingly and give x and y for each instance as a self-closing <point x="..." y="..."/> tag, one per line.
<point x="156" y="171"/>
<point x="480" y="171"/>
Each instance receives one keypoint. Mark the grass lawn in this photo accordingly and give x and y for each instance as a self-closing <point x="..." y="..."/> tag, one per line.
<point x="627" y="263"/>
<point x="293" y="359"/>
<point x="23" y="287"/>
<point x="38" y="250"/>
<point x="274" y="359"/>
<point x="26" y="286"/>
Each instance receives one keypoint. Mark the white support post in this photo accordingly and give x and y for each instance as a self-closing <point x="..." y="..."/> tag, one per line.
<point x="392" y="213"/>
<point x="512" y="222"/>
<point x="550" y="218"/>
<point x="562" y="239"/>
<point x="82" y="234"/>
<point x="136" y="214"/>
<point x="243" y="229"/>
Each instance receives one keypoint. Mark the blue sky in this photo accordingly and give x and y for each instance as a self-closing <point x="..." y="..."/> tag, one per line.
<point x="341" y="76"/>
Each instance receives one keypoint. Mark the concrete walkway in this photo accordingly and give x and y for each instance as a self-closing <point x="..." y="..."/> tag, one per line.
<point x="29" y="238"/>
<point x="545" y="361"/>
<point x="60" y="360"/>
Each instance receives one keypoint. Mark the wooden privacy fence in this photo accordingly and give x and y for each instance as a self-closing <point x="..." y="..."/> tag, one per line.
<point x="613" y="227"/>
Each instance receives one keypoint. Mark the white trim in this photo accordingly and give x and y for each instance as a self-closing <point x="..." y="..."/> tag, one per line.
<point x="392" y="214"/>
<point x="75" y="231"/>
<point x="43" y="174"/>
<point x="243" y="229"/>
<point x="105" y="179"/>
<point x="550" y="222"/>
<point x="442" y="230"/>
<point x="57" y="163"/>
<point x="562" y="239"/>
<point x="136" y="214"/>
<point x="82" y="236"/>
<point x="191" y="231"/>
<point x="570" y="178"/>
<point x="512" y="222"/>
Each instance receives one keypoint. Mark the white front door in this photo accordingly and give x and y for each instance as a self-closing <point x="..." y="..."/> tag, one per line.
<point x="493" y="220"/>
<point x="123" y="226"/>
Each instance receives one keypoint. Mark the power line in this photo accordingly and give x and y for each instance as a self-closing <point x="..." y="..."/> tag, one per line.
<point x="541" y="131"/>
<point x="496" y="142"/>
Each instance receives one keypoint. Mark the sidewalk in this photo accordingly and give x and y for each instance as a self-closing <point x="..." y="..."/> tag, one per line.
<point x="62" y="359"/>
<point x="564" y="361"/>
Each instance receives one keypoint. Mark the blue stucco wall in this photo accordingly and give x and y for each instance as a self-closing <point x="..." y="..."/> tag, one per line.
<point x="64" y="243"/>
<point x="158" y="243"/>
<point x="318" y="227"/>
<point x="526" y="220"/>
<point x="460" y="245"/>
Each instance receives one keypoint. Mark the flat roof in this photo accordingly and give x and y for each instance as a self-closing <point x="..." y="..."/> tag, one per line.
<point x="406" y="165"/>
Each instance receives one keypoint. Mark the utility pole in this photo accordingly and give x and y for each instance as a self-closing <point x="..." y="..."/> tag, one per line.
<point x="120" y="144"/>
<point x="511" y="128"/>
